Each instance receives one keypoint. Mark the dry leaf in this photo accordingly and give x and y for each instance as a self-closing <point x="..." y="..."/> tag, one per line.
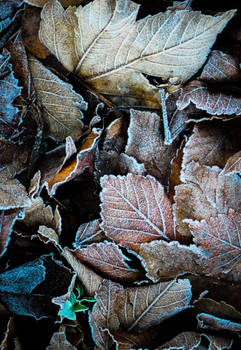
<point x="211" y="101"/>
<point x="7" y="220"/>
<point x="205" y="194"/>
<point x="62" y="105"/>
<point x="64" y="3"/>
<point x="233" y="164"/>
<point x="219" y="309"/>
<point x="108" y="259"/>
<point x="154" y="45"/>
<point x="135" y="209"/>
<point x="38" y="214"/>
<point x="183" y="341"/>
<point x="145" y="143"/>
<point x="219" y="239"/>
<point x="59" y="341"/>
<point x="210" y="322"/>
<point x="89" y="232"/>
<point x="139" y="308"/>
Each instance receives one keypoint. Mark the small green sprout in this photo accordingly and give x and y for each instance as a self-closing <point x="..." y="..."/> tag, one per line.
<point x="74" y="303"/>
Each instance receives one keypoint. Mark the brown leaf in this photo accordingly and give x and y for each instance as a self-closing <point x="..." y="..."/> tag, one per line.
<point x="135" y="209"/>
<point x="210" y="322"/>
<point x="139" y="308"/>
<point x="233" y="164"/>
<point x="89" y="232"/>
<point x="145" y="143"/>
<point x="62" y="105"/>
<point x="7" y="220"/>
<point x="59" y="341"/>
<point x="218" y="343"/>
<point x="108" y="259"/>
<point x="117" y="70"/>
<point x="30" y="21"/>
<point x="213" y="102"/>
<point x="168" y="260"/>
<point x="38" y="214"/>
<point x="204" y="194"/>
<point x="64" y="3"/>
<point x="187" y="341"/>
<point x="219" y="309"/>
<point x="220" y="68"/>
<point x="211" y="144"/>
<point x="219" y="239"/>
<point x="90" y="280"/>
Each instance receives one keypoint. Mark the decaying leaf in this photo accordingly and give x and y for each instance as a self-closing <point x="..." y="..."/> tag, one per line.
<point x="89" y="232"/>
<point x="218" y="309"/>
<point x="62" y="105"/>
<point x="209" y="322"/>
<point x="59" y="341"/>
<point x="145" y="143"/>
<point x="219" y="239"/>
<point x="233" y="164"/>
<point x="108" y="259"/>
<point x="135" y="209"/>
<point x="7" y="220"/>
<point x="183" y="341"/>
<point x="156" y="45"/>
<point x="64" y="3"/>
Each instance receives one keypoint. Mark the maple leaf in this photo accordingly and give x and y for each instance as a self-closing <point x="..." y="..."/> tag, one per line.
<point x="62" y="105"/>
<point x="135" y="209"/>
<point x="111" y="55"/>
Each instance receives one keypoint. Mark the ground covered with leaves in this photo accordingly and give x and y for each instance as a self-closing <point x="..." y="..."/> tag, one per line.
<point x="120" y="175"/>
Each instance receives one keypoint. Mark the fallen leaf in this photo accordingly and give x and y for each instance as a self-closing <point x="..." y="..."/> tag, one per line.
<point x="108" y="259"/>
<point x="219" y="239"/>
<point x="38" y="214"/>
<point x="218" y="309"/>
<point x="89" y="279"/>
<point x="135" y="209"/>
<point x="145" y="143"/>
<point x="139" y="308"/>
<point x="7" y="220"/>
<point x="211" y="144"/>
<point x="204" y="194"/>
<point x="233" y="164"/>
<point x="218" y="343"/>
<point x="62" y="105"/>
<point x="118" y="69"/>
<point x="183" y="341"/>
<point x="102" y="317"/>
<point x="210" y="322"/>
<point x="88" y="233"/>
<point x="221" y="68"/>
<point x="59" y="341"/>
<point x="64" y="3"/>
<point x="213" y="102"/>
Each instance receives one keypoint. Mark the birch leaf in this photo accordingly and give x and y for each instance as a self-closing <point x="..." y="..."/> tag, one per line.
<point x="135" y="209"/>
<point x="112" y="53"/>
<point x="62" y="105"/>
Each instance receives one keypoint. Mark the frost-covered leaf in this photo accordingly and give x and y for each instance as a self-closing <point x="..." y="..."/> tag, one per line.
<point x="135" y="209"/>
<point x="59" y="341"/>
<point x="154" y="45"/>
<point x="211" y="101"/>
<point x="7" y="220"/>
<point x="145" y="143"/>
<point x="210" y="322"/>
<point x="219" y="309"/>
<point x="64" y="3"/>
<point x="108" y="259"/>
<point x="233" y="164"/>
<point x="183" y="341"/>
<point x="139" y="308"/>
<point x="87" y="233"/>
<point x="162" y="259"/>
<point x="219" y="239"/>
<point x="89" y="279"/>
<point x="204" y="194"/>
<point x="221" y="68"/>
<point x="62" y="105"/>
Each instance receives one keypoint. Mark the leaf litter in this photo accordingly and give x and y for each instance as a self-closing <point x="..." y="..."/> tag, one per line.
<point x="119" y="175"/>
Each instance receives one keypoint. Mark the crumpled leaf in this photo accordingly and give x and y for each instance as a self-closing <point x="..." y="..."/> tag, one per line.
<point x="59" y="341"/>
<point x="154" y="45"/>
<point x="183" y="341"/>
<point x="9" y="90"/>
<point x="108" y="259"/>
<point x="145" y="143"/>
<point x="28" y="289"/>
<point x="204" y="194"/>
<point x="7" y="220"/>
<point x="233" y="164"/>
<point x="219" y="309"/>
<point x="219" y="239"/>
<point x="62" y="105"/>
<point x="210" y="322"/>
<point x="135" y="209"/>
<point x="64" y="3"/>
<point x="89" y="232"/>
